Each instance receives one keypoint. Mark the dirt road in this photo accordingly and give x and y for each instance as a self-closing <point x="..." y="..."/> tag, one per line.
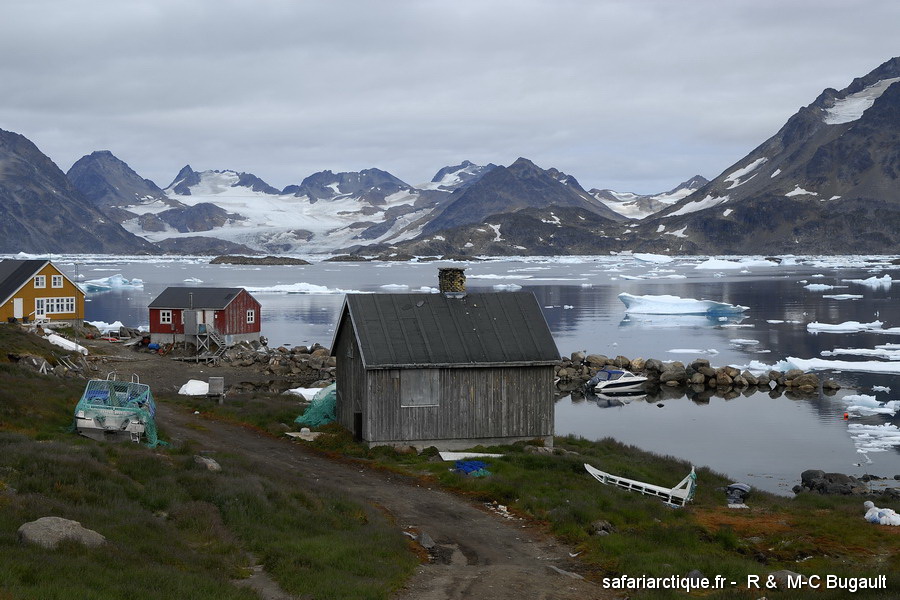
<point x="479" y="553"/>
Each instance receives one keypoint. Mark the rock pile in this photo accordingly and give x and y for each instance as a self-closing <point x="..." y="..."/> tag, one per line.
<point x="576" y="370"/>
<point x="820" y="482"/>
<point x="311" y="365"/>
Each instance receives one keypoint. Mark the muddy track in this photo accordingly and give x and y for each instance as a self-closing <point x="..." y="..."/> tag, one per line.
<point x="478" y="553"/>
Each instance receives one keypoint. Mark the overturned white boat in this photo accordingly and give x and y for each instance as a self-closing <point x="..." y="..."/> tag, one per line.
<point x="110" y="409"/>
<point x="675" y="496"/>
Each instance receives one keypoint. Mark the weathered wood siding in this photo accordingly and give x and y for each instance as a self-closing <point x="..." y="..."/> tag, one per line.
<point x="350" y="377"/>
<point x="478" y="402"/>
<point x="233" y="320"/>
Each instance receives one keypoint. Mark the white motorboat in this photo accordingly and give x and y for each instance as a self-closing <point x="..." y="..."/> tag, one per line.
<point x="616" y="380"/>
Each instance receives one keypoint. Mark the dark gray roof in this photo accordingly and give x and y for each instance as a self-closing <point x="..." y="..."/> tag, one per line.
<point x="14" y="273"/>
<point x="196" y="297"/>
<point x="396" y="330"/>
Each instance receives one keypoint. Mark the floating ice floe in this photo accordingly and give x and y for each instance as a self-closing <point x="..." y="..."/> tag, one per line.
<point x="112" y="282"/>
<point x="718" y="263"/>
<point x="820" y="364"/>
<point x="674" y="305"/>
<point x="873" y="282"/>
<point x="843" y="296"/>
<point x="507" y="287"/>
<point x="845" y="327"/>
<point x="194" y="387"/>
<point x="394" y="286"/>
<point x="865" y="405"/>
<point x="877" y="352"/>
<point x="659" y="259"/>
<point x="818" y="287"/>
<point x="298" y="288"/>
<point x="710" y="351"/>
<point x="881" y="388"/>
<point x="874" y="438"/>
<point x="193" y="280"/>
<point x="62" y="342"/>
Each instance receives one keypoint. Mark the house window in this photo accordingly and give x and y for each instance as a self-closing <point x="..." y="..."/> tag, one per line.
<point x="58" y="305"/>
<point x="419" y="387"/>
<point x="251" y="315"/>
<point x="56" y="281"/>
<point x="40" y="281"/>
<point x="165" y="317"/>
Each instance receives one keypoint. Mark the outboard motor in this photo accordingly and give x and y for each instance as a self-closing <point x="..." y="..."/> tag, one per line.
<point x="737" y="492"/>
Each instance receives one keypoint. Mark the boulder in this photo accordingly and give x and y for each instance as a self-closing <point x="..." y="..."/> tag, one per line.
<point x="807" y="382"/>
<point x="49" y="532"/>
<point x="596" y="360"/>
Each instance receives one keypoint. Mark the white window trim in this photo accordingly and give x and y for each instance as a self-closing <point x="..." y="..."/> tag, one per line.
<point x="165" y="317"/>
<point x="56" y="279"/>
<point x="251" y="315"/>
<point x="64" y="305"/>
<point x="40" y="281"/>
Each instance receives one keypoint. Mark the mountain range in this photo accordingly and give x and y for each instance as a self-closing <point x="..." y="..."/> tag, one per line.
<point x="826" y="182"/>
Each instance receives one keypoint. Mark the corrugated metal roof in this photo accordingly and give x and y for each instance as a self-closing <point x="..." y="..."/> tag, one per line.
<point x="14" y="273"/>
<point x="195" y="297"/>
<point x="396" y="330"/>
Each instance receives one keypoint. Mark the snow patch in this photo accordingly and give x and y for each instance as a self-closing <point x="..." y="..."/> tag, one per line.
<point x="853" y="106"/>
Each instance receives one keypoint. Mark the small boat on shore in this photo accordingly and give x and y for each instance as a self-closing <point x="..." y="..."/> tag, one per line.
<point x="110" y="409"/>
<point x="616" y="380"/>
<point x="676" y="496"/>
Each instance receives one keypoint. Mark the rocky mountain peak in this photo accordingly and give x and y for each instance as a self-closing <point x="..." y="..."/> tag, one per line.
<point x="109" y="182"/>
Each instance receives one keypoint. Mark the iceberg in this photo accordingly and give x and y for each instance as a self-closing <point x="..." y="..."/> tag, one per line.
<point x="873" y="282"/>
<point x="674" y="305"/>
<point x="105" y="284"/>
<point x="298" y="288"/>
<point x="106" y="327"/>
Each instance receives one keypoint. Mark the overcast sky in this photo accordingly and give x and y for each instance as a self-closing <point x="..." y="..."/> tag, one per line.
<point x="634" y="95"/>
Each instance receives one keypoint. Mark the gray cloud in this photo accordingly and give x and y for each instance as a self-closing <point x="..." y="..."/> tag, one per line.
<point x="634" y="95"/>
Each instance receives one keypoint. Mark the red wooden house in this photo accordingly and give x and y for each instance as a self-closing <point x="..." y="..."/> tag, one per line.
<point x="199" y="314"/>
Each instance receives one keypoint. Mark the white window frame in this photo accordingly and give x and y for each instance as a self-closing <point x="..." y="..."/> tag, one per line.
<point x="40" y="281"/>
<point x="251" y="315"/>
<point x="56" y="281"/>
<point x="165" y="317"/>
<point x="56" y="306"/>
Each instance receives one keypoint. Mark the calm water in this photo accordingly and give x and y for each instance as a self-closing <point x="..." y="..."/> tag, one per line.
<point x="758" y="439"/>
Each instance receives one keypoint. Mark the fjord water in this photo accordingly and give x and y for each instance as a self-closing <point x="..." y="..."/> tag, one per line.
<point x="763" y="439"/>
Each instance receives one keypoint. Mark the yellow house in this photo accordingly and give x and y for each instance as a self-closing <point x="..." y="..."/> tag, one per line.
<point x="32" y="290"/>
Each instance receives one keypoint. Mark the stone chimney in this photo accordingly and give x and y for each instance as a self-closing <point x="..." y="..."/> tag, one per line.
<point x="452" y="281"/>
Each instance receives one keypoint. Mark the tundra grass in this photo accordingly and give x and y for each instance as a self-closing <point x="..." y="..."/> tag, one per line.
<point x="808" y="534"/>
<point x="174" y="529"/>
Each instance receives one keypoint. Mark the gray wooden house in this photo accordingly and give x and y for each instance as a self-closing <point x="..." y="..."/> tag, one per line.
<point x="450" y="370"/>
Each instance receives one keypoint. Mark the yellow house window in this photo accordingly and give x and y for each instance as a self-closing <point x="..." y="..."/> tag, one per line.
<point x="40" y="281"/>
<point x="56" y="281"/>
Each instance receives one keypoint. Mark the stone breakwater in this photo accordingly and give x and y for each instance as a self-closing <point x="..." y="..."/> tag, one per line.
<point x="574" y="371"/>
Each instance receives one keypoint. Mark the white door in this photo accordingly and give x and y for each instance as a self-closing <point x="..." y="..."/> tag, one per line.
<point x="40" y="310"/>
<point x="18" y="310"/>
<point x="209" y="317"/>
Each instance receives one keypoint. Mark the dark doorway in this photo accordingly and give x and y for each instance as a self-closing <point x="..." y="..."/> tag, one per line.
<point x="357" y="426"/>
